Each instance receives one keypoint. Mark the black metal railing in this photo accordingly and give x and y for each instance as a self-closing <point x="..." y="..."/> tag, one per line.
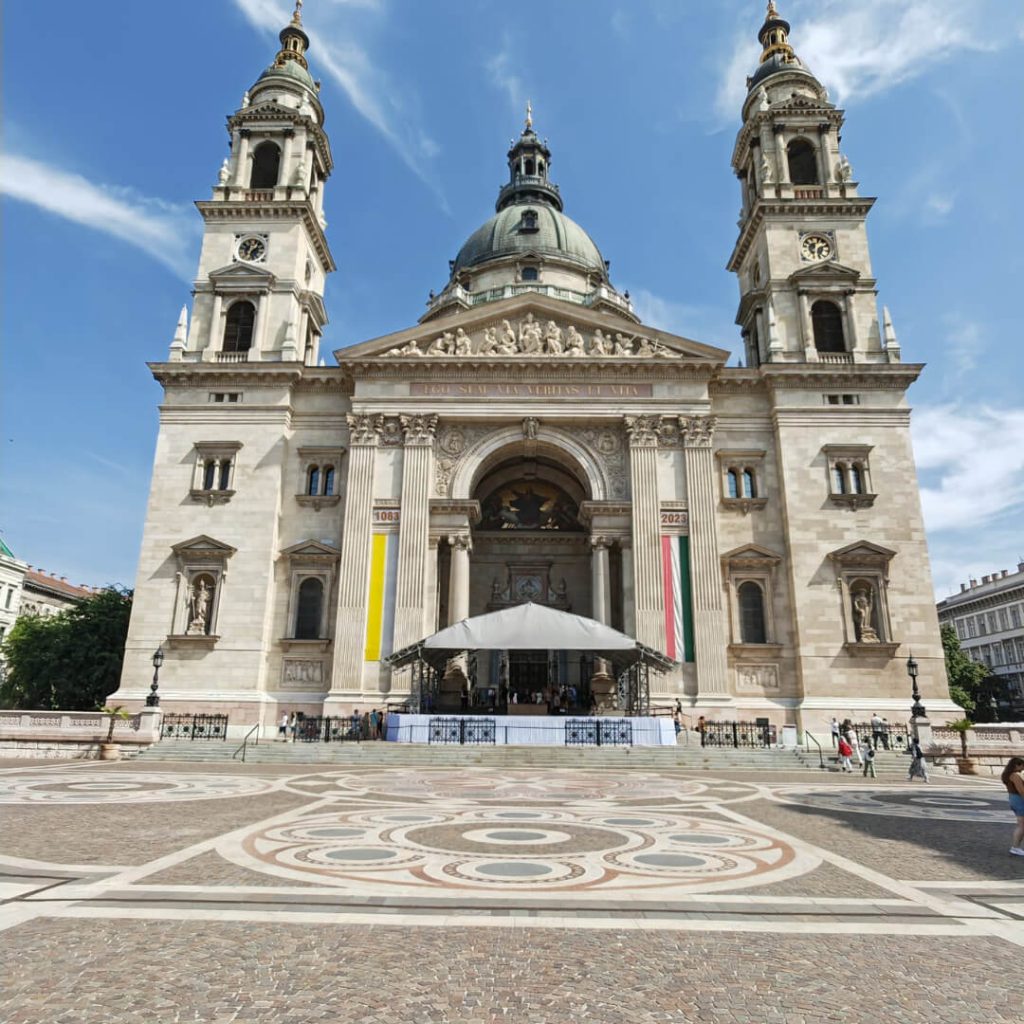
<point x="753" y="735"/>
<point x="597" y="732"/>
<point x="461" y="730"/>
<point x="891" y="736"/>
<point x="194" y="727"/>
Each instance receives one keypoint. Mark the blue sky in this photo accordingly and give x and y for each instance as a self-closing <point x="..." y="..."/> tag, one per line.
<point x="114" y="125"/>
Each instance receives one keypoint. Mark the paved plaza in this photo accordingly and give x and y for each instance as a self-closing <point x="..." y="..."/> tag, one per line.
<point x="161" y="892"/>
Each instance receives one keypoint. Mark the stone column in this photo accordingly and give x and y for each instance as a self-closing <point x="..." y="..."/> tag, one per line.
<point x="413" y="529"/>
<point x="242" y="166"/>
<point x="643" y="472"/>
<point x="455" y="680"/>
<point x="354" y="579"/>
<point x="259" y="334"/>
<point x="781" y="157"/>
<point x="602" y="682"/>
<point x="216" y="334"/>
<point x="285" y="174"/>
<point x="709" y="632"/>
<point x="807" y="327"/>
<point x="849" y="308"/>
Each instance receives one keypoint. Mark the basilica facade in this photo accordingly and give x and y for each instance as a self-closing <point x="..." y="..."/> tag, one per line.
<point x="529" y="439"/>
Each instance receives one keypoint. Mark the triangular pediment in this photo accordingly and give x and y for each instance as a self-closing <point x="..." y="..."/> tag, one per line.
<point x="749" y="553"/>
<point x="311" y="549"/>
<point x="203" y="546"/>
<point x="829" y="270"/>
<point x="862" y="552"/>
<point x="531" y="327"/>
<point x="244" y="273"/>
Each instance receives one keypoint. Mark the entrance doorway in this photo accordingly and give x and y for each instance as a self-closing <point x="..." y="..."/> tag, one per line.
<point x="528" y="676"/>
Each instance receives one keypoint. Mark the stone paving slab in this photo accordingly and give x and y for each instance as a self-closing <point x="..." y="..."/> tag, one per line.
<point x="824" y="881"/>
<point x="911" y="848"/>
<point x="212" y="869"/>
<point x="140" y="972"/>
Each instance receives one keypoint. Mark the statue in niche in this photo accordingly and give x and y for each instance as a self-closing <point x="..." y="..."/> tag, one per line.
<point x="530" y="342"/>
<point x="574" y="343"/>
<point x="553" y="338"/>
<point x="531" y="425"/>
<point x="623" y="345"/>
<point x="762" y="99"/>
<point x="766" y="169"/>
<point x="600" y="346"/>
<point x="490" y="341"/>
<point x="863" y="609"/>
<point x="844" y="169"/>
<point x="223" y="173"/>
<point x="497" y="590"/>
<point x="463" y="344"/>
<point x="199" y="607"/>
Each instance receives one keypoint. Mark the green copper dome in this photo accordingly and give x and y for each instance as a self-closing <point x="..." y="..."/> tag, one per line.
<point x="511" y="231"/>
<point x="291" y="70"/>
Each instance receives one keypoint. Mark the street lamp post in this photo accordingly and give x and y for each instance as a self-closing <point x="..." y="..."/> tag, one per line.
<point x="153" y="701"/>
<point x="917" y="708"/>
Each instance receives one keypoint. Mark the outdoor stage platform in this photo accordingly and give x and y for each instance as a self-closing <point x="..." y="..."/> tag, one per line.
<point x="531" y="730"/>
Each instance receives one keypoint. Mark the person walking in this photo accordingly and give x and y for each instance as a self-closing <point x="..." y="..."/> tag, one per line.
<point x="282" y="729"/>
<point x="834" y="726"/>
<point x="374" y="719"/>
<point x="293" y="725"/>
<point x="869" y="761"/>
<point x="876" y="730"/>
<point x="885" y="733"/>
<point x="918" y="768"/>
<point x="1013" y="780"/>
<point x="854" y="741"/>
<point x="845" y="750"/>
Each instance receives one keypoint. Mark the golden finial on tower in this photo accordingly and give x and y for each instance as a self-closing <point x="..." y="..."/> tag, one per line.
<point x="529" y="116"/>
<point x="297" y="14"/>
<point x="772" y="12"/>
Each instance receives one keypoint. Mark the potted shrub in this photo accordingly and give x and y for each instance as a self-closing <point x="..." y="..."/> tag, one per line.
<point x="965" y="764"/>
<point x="109" y="750"/>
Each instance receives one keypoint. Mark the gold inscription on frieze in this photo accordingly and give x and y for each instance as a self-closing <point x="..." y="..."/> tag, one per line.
<point x="456" y="389"/>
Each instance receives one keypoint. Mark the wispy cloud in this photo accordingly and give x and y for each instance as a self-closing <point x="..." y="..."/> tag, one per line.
<point x="332" y="32"/>
<point x="706" y="324"/>
<point x="165" y="231"/>
<point x="862" y="49"/>
<point x="964" y="345"/>
<point x="499" y="69"/>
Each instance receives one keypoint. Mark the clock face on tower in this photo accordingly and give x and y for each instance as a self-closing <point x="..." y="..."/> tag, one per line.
<point x="815" y="248"/>
<point x="251" y="249"/>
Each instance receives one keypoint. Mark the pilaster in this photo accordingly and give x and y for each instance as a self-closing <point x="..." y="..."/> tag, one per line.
<point x="354" y="581"/>
<point x="709" y="627"/>
<point x="643" y="470"/>
<point x="414" y="528"/>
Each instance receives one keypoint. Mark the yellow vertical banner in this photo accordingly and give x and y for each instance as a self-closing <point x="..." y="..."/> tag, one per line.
<point x="375" y="611"/>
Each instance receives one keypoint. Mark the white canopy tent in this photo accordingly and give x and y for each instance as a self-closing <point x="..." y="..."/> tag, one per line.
<point x="531" y="627"/>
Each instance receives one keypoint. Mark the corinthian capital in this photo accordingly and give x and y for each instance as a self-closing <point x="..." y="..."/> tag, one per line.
<point x="643" y="431"/>
<point x="364" y="429"/>
<point x="697" y="430"/>
<point x="419" y="429"/>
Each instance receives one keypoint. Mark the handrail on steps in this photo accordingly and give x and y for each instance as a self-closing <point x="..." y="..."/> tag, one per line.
<point x="808" y="740"/>
<point x="241" y="749"/>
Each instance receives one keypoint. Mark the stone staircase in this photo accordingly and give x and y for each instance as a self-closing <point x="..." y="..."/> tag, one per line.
<point x="374" y="754"/>
<point x="889" y="764"/>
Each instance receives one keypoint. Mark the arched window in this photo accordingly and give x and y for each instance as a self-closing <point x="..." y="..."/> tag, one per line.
<point x="328" y="479"/>
<point x="209" y="474"/>
<point x="266" y="161"/>
<point x="827" y="322"/>
<point x="307" y="618"/>
<point x="530" y="274"/>
<point x="732" y="484"/>
<point x="225" y="474"/>
<point x="238" y="327"/>
<point x="749" y="484"/>
<point x="751" y="607"/>
<point x="803" y="163"/>
<point x="838" y="480"/>
<point x="856" y="480"/>
<point x="529" y="221"/>
<point x="313" y="480"/>
<point x="529" y="167"/>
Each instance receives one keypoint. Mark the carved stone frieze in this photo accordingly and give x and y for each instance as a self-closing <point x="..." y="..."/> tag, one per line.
<point x="607" y="444"/>
<point x="531" y="337"/>
<point x="451" y="442"/>
<point x="697" y="431"/>
<point x="364" y="429"/>
<point x="391" y="433"/>
<point x="755" y="678"/>
<point x="419" y="429"/>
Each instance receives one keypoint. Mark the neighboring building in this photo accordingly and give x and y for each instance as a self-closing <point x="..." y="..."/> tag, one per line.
<point x="529" y="438"/>
<point x="12" y="577"/>
<point x="989" y="620"/>
<point x="48" y="594"/>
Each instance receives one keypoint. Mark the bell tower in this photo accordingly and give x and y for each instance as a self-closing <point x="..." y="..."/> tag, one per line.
<point x="807" y="293"/>
<point x="258" y="293"/>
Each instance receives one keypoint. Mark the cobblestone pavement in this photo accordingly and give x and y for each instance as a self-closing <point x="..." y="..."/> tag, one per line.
<point x="162" y="893"/>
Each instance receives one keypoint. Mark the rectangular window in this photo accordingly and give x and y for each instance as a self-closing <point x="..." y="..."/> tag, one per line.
<point x="961" y="632"/>
<point x="213" y="479"/>
<point x="220" y="397"/>
<point x="10" y="597"/>
<point x="982" y="628"/>
<point x="1014" y="616"/>
<point x="842" y="399"/>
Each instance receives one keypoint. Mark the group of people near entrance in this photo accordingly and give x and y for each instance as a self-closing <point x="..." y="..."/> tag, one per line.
<point x="848" y="746"/>
<point x="371" y="725"/>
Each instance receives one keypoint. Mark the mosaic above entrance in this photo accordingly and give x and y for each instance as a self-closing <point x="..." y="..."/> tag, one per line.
<point x="529" y="505"/>
<point x="531" y="337"/>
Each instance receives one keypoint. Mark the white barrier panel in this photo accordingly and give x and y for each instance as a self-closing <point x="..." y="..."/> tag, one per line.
<point x="535" y="730"/>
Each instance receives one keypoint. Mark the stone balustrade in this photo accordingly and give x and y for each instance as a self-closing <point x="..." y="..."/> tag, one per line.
<point x="73" y="734"/>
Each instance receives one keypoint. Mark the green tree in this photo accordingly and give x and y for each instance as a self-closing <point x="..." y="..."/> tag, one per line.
<point x="70" y="661"/>
<point x="966" y="678"/>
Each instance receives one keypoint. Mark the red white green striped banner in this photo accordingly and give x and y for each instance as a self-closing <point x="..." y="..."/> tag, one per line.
<point x="675" y="566"/>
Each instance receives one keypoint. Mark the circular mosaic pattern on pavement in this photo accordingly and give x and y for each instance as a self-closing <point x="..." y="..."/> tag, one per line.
<point x="376" y="851"/>
<point x="904" y="802"/>
<point x="98" y="787"/>
<point x="477" y="786"/>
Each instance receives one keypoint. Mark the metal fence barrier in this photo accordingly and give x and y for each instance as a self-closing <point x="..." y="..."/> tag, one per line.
<point x="194" y="727"/>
